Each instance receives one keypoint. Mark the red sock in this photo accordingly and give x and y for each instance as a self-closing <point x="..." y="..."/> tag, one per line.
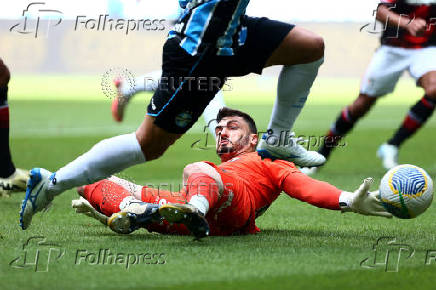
<point x="106" y="196"/>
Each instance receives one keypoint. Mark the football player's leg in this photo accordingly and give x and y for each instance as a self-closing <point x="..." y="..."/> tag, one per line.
<point x="104" y="159"/>
<point x="128" y="88"/>
<point x="423" y="69"/>
<point x="128" y="213"/>
<point x="301" y="54"/>
<point x="204" y="186"/>
<point x="380" y="79"/>
<point x="419" y="113"/>
<point x="345" y="122"/>
<point x="11" y="179"/>
<point x="203" y="190"/>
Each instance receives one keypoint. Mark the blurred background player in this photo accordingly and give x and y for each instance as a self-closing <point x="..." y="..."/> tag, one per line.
<point x="212" y="40"/>
<point x="408" y="43"/>
<point x="11" y="179"/>
<point x="149" y="83"/>
<point x="230" y="195"/>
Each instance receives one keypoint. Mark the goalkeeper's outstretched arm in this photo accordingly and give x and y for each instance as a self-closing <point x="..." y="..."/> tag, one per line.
<point x="324" y="195"/>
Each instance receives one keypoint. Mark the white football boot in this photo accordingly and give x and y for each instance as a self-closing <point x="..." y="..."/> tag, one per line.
<point x="270" y="146"/>
<point x="37" y="196"/>
<point x="389" y="155"/>
<point x="14" y="183"/>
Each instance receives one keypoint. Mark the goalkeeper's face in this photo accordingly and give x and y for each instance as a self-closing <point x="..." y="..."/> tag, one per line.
<point x="233" y="137"/>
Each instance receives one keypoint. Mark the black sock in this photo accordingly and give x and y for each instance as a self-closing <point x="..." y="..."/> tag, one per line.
<point x="414" y="120"/>
<point x="344" y="123"/>
<point x="7" y="167"/>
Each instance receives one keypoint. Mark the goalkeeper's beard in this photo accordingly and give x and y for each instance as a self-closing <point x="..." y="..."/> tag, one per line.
<point x="233" y="148"/>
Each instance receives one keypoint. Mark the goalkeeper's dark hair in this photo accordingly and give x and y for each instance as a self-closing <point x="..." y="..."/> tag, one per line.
<point x="227" y="112"/>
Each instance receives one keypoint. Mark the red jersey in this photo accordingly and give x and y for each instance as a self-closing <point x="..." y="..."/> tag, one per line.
<point x="399" y="37"/>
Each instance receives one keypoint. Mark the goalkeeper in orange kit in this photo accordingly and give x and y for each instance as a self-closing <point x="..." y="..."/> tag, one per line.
<point x="220" y="199"/>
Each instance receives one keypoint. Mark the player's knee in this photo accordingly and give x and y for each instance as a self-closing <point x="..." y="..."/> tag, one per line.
<point x="318" y="47"/>
<point x="197" y="167"/>
<point x="430" y="91"/>
<point x="204" y="169"/>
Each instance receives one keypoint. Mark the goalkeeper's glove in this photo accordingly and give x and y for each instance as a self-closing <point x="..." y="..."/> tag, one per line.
<point x="362" y="201"/>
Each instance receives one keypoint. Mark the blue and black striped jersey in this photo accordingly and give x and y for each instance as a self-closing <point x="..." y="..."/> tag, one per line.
<point x="215" y="23"/>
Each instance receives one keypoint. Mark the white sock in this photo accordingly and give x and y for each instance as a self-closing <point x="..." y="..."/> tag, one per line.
<point x="292" y="91"/>
<point x="201" y="203"/>
<point x="104" y="159"/>
<point x="211" y="111"/>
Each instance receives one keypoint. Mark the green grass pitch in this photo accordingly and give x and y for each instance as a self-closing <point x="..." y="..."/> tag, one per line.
<point x="54" y="119"/>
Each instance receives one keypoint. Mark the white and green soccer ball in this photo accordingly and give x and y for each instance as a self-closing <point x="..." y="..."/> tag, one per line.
<point x="406" y="191"/>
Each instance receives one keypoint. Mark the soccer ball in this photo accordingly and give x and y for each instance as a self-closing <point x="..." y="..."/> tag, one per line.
<point x="406" y="191"/>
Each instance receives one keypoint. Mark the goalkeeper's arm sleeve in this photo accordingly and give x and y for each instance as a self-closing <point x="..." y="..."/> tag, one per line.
<point x="318" y="193"/>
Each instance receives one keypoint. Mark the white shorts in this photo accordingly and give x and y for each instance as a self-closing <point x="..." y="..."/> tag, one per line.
<point x="388" y="63"/>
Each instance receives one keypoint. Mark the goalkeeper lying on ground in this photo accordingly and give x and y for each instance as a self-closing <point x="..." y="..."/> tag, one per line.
<point x="220" y="199"/>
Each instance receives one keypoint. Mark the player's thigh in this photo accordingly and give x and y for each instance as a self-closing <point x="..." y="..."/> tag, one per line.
<point x="263" y="38"/>
<point x="384" y="70"/>
<point x="298" y="47"/>
<point x="423" y="69"/>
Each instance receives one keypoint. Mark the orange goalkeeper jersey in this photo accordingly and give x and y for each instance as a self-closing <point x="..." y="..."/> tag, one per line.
<point x="251" y="184"/>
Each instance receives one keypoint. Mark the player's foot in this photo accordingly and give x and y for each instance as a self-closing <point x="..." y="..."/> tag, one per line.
<point x="389" y="155"/>
<point x="133" y="217"/>
<point x="120" y="101"/>
<point x="309" y="170"/>
<point x="270" y="147"/>
<point x="14" y="183"/>
<point x="188" y="215"/>
<point x="37" y="196"/>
